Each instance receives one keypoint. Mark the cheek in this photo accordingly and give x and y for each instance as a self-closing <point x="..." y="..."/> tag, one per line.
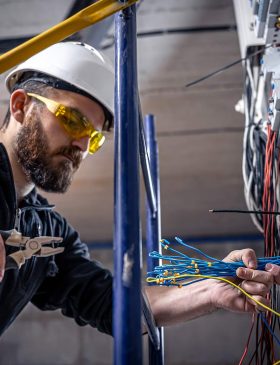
<point x="55" y="132"/>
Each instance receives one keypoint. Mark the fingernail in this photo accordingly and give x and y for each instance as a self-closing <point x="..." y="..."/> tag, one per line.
<point x="241" y="271"/>
<point x="252" y="264"/>
<point x="268" y="267"/>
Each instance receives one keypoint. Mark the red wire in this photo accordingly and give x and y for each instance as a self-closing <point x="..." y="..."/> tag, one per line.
<point x="248" y="341"/>
<point x="269" y="202"/>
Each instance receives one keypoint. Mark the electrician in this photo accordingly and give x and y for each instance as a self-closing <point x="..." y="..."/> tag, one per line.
<point x="61" y="103"/>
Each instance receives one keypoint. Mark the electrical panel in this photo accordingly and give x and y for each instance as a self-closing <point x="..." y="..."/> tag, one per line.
<point x="258" y="27"/>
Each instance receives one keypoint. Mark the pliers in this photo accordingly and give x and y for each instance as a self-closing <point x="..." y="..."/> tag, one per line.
<point x="28" y="247"/>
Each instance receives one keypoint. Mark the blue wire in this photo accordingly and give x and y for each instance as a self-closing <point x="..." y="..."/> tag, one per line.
<point x="181" y="263"/>
<point x="269" y="328"/>
<point x="195" y="249"/>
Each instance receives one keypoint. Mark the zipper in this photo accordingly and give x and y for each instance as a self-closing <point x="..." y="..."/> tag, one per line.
<point x="29" y="264"/>
<point x="17" y="220"/>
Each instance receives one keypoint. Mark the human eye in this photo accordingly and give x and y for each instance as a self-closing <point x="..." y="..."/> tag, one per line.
<point x="69" y="117"/>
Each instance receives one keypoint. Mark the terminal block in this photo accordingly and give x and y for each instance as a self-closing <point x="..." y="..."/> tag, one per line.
<point x="270" y="68"/>
<point x="267" y="20"/>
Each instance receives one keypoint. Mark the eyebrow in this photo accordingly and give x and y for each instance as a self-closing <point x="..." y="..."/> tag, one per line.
<point x="89" y="120"/>
<point x="77" y="111"/>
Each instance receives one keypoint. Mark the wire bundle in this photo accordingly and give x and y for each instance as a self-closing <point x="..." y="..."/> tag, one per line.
<point x="254" y="140"/>
<point x="182" y="266"/>
<point x="261" y="186"/>
<point x="269" y="199"/>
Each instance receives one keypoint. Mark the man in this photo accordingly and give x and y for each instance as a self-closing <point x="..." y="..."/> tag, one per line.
<point x="59" y="106"/>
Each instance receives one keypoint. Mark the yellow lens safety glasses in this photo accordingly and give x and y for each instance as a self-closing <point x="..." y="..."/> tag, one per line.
<point x="74" y="123"/>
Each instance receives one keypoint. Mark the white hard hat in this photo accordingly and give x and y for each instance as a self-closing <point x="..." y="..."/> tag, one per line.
<point x="75" y="63"/>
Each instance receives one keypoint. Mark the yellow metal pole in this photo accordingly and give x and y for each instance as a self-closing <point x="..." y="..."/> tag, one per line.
<point x="88" y="16"/>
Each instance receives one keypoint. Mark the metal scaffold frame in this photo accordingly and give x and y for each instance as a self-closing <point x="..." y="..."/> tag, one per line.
<point x="130" y="143"/>
<point x="153" y="231"/>
<point x="127" y="278"/>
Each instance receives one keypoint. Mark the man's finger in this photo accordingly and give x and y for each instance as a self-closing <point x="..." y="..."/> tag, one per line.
<point x="255" y="275"/>
<point x="247" y="255"/>
<point x="2" y="258"/>
<point x="262" y="300"/>
<point x="275" y="271"/>
<point x="253" y="288"/>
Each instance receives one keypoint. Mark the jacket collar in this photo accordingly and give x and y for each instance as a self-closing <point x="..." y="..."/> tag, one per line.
<point x="7" y="181"/>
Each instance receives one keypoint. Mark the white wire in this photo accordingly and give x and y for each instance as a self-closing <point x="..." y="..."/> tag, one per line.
<point x="249" y="129"/>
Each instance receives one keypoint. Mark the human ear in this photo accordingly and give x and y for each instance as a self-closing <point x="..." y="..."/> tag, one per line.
<point x="18" y="101"/>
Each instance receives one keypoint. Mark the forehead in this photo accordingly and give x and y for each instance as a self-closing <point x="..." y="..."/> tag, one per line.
<point x="88" y="107"/>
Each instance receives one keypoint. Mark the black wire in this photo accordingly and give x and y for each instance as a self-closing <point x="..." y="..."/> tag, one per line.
<point x="215" y="72"/>
<point x="254" y="160"/>
<point x="242" y="211"/>
<point x="254" y="169"/>
<point x="203" y="131"/>
<point x="256" y="351"/>
<point x="226" y="67"/>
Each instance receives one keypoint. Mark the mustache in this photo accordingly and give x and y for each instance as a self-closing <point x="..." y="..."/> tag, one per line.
<point x="75" y="155"/>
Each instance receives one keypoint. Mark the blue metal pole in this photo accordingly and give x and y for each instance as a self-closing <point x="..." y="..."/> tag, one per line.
<point x="156" y="356"/>
<point x="127" y="281"/>
<point x="146" y="168"/>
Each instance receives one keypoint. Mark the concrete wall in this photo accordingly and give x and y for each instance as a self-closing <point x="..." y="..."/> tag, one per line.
<point x="49" y="339"/>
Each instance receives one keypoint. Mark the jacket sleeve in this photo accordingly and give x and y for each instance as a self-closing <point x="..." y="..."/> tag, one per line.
<point x="82" y="288"/>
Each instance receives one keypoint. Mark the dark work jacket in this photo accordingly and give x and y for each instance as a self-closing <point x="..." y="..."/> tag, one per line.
<point x="82" y="289"/>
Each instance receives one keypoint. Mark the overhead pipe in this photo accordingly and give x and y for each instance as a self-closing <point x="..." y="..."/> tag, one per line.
<point x="84" y="18"/>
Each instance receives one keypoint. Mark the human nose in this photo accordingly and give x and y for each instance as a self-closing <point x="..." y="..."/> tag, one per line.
<point x="82" y="143"/>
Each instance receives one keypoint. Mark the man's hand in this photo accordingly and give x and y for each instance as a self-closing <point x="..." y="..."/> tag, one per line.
<point x="275" y="271"/>
<point x="2" y="258"/>
<point x="254" y="282"/>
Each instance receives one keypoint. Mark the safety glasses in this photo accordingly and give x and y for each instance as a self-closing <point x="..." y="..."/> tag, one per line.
<point x="74" y="123"/>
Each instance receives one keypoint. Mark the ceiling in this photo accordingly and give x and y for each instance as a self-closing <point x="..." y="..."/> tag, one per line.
<point x="199" y="132"/>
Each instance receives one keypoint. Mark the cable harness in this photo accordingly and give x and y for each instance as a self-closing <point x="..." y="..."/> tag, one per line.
<point x="182" y="267"/>
<point x="260" y="169"/>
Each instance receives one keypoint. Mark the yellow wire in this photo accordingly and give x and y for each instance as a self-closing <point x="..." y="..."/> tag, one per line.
<point x="277" y="362"/>
<point x="153" y="280"/>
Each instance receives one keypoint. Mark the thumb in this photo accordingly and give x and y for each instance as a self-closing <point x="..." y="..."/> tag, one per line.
<point x="275" y="271"/>
<point x="246" y="255"/>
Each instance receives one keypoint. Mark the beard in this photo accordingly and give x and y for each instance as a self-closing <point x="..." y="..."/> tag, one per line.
<point x="37" y="161"/>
